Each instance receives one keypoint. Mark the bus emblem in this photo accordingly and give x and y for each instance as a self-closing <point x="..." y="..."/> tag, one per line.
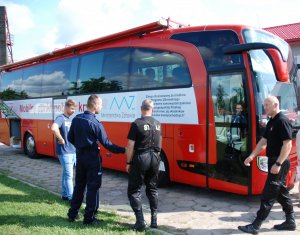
<point x="127" y="101"/>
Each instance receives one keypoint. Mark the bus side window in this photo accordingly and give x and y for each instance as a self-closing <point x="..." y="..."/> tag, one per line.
<point x="180" y="76"/>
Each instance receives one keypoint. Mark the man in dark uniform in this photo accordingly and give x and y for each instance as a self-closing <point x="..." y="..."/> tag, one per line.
<point x="143" y="158"/>
<point x="278" y="140"/>
<point x="85" y="134"/>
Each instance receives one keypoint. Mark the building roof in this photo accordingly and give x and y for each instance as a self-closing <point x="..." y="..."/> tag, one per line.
<point x="288" y="32"/>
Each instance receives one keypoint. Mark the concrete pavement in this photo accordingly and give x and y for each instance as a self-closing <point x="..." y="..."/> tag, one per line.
<point x="183" y="209"/>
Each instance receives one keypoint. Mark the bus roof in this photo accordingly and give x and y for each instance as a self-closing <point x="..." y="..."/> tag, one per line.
<point x="157" y="26"/>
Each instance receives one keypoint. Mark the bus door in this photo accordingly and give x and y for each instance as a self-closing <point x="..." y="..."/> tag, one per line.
<point x="10" y="126"/>
<point x="231" y="132"/>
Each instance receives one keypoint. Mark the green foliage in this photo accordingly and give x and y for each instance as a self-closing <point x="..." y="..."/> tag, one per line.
<point x="96" y="85"/>
<point x="29" y="210"/>
<point x="10" y="94"/>
<point x="220" y="96"/>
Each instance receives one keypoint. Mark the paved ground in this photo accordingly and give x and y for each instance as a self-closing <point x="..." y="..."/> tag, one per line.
<point x="183" y="209"/>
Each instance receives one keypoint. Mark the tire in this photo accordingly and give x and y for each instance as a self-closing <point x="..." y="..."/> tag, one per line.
<point x="30" y="147"/>
<point x="164" y="173"/>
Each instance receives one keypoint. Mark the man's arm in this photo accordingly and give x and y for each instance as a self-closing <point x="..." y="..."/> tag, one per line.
<point x="129" y="153"/>
<point x="55" y="130"/>
<point x="102" y="137"/>
<point x="284" y="153"/>
<point x="262" y="144"/>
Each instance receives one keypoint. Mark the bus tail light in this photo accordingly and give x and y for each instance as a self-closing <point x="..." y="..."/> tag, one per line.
<point x="262" y="163"/>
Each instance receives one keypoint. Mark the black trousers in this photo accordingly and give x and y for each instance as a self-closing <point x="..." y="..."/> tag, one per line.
<point x="275" y="189"/>
<point x="144" y="168"/>
<point x="89" y="177"/>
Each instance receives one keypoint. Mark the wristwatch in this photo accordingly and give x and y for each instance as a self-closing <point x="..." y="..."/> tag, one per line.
<point x="278" y="164"/>
<point x="128" y="163"/>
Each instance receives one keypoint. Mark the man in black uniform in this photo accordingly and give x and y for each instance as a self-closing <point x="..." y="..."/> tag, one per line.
<point x="143" y="158"/>
<point x="277" y="139"/>
<point x="85" y="134"/>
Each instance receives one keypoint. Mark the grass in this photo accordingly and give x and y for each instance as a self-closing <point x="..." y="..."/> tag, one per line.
<point x="29" y="210"/>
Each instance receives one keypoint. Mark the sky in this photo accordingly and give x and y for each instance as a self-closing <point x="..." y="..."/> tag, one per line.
<point x="41" y="26"/>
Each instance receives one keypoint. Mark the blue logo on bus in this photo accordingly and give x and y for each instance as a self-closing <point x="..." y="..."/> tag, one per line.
<point x="123" y="102"/>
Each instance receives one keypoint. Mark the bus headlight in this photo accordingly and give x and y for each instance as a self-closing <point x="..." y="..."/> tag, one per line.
<point x="262" y="163"/>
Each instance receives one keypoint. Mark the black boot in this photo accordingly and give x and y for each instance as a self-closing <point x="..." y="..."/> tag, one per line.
<point x="153" y="220"/>
<point x="140" y="224"/>
<point x="289" y="224"/>
<point x="251" y="228"/>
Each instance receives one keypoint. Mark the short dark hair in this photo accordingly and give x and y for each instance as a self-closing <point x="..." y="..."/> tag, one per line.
<point x="70" y="102"/>
<point x="91" y="103"/>
<point x="147" y="104"/>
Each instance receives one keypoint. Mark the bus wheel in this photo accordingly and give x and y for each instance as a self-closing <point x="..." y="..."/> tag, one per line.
<point x="30" y="146"/>
<point x="163" y="175"/>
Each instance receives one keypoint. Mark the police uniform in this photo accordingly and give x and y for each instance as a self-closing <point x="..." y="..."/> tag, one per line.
<point x="278" y="130"/>
<point x="85" y="133"/>
<point x="146" y="133"/>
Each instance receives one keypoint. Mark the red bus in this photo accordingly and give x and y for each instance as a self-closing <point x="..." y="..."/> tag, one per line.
<point x="195" y="75"/>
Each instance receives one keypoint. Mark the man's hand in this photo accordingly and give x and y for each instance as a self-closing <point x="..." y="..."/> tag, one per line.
<point x="61" y="141"/>
<point x="275" y="169"/>
<point x="248" y="160"/>
<point x="128" y="168"/>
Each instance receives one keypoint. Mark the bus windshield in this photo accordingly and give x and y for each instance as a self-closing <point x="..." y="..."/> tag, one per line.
<point x="265" y="83"/>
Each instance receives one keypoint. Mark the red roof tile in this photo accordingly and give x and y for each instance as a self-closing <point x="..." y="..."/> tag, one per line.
<point x="289" y="32"/>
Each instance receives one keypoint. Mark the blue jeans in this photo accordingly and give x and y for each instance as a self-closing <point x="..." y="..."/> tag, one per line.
<point x="67" y="162"/>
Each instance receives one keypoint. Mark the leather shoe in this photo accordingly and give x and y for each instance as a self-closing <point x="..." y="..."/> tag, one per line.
<point x="77" y="217"/>
<point x="248" y="229"/>
<point x="139" y="226"/>
<point x="95" y="221"/>
<point x="289" y="226"/>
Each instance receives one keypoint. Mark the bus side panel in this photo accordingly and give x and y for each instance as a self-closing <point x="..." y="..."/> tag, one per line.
<point x="45" y="138"/>
<point x="258" y="178"/>
<point x="190" y="147"/>
<point x="227" y="186"/>
<point x="293" y="170"/>
<point x="4" y="131"/>
<point x="117" y="134"/>
<point x="167" y="149"/>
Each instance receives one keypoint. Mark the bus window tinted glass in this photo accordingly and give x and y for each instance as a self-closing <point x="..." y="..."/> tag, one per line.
<point x="32" y="81"/>
<point x="58" y="78"/>
<point x="131" y="69"/>
<point x="265" y="84"/>
<point x="210" y="45"/>
<point x="89" y="79"/>
<point x="156" y="68"/>
<point x="116" y="69"/>
<point x="11" y="86"/>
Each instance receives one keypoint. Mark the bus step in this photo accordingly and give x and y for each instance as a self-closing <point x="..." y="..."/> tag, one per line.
<point x="15" y="142"/>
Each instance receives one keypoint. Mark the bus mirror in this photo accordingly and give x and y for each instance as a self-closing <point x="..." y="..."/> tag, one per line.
<point x="280" y="66"/>
<point x="279" y="62"/>
<point x="239" y="48"/>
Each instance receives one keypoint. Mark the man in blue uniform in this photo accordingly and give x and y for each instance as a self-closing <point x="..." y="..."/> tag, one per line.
<point x="65" y="150"/>
<point x="85" y="134"/>
<point x="143" y="158"/>
<point x="278" y="141"/>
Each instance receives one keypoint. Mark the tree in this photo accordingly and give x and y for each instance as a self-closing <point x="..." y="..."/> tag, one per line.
<point x="10" y="94"/>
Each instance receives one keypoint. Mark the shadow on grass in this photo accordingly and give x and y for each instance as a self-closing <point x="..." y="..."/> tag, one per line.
<point x="36" y="209"/>
<point x="52" y="222"/>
